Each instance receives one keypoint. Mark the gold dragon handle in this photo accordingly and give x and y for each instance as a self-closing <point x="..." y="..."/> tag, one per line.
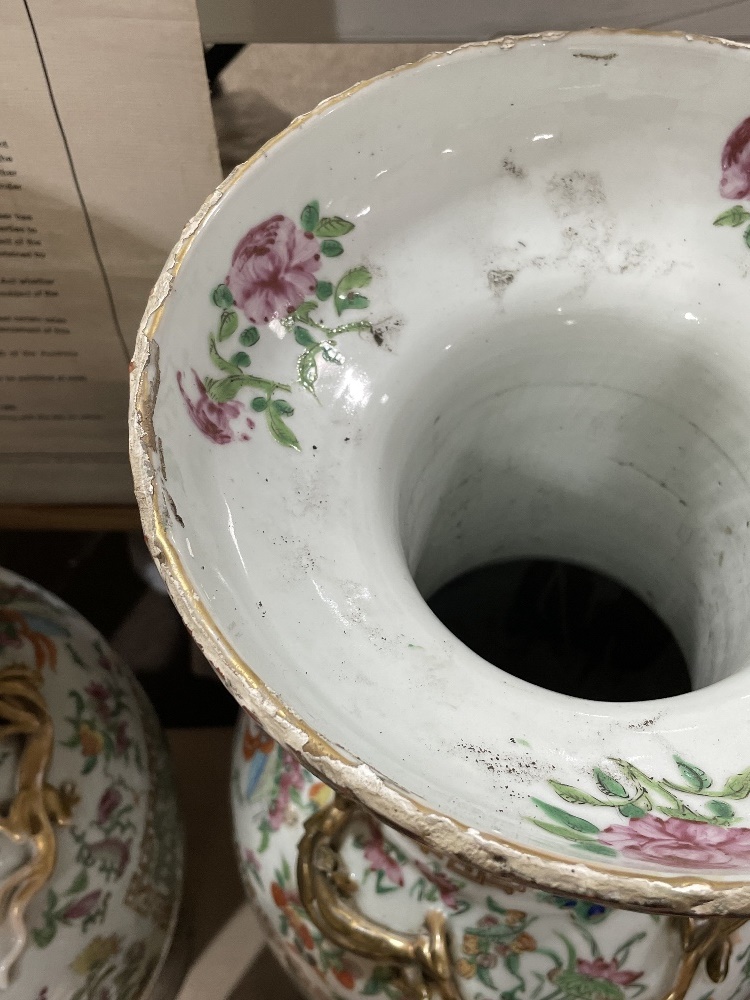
<point x="36" y="808"/>
<point x="703" y="939"/>
<point x="421" y="962"/>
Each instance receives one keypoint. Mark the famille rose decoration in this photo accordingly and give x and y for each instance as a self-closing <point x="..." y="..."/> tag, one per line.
<point x="473" y="311"/>
<point x="90" y="844"/>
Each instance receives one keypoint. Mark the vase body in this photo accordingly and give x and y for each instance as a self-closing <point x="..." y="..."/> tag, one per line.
<point x="506" y="943"/>
<point x="97" y="927"/>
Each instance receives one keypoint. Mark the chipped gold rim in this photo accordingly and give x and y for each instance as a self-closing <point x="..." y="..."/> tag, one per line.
<point x="486" y="854"/>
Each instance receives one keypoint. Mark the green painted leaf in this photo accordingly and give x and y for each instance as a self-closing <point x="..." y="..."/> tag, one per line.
<point x="484" y="977"/>
<point x="721" y="809"/>
<point x="44" y="935"/>
<point x="374" y="986"/>
<point x="608" y="784"/>
<point x="324" y="290"/>
<point x="331" y="248"/>
<point x="733" y="216"/>
<point x="333" y="226"/>
<point x="259" y="404"/>
<point x="79" y="883"/>
<point x="736" y="787"/>
<point x="222" y="297"/>
<point x="309" y="216"/>
<point x="221" y="363"/>
<point x="562" y="831"/>
<point x="631" y="811"/>
<point x="249" y="337"/>
<point x="512" y="963"/>
<point x="228" y="324"/>
<point x="89" y="765"/>
<point x="574" y="796"/>
<point x="281" y="432"/>
<point x="330" y="353"/>
<point x="345" y="296"/>
<point x="283" y="407"/>
<point x="303" y="337"/>
<point x="302" y="312"/>
<point x="594" y="847"/>
<point x="241" y="359"/>
<point x="495" y="907"/>
<point x="307" y="371"/>
<point x="566" y="818"/>
<point x="223" y="390"/>
<point x="693" y="776"/>
<point x="265" y="830"/>
<point x="746" y="236"/>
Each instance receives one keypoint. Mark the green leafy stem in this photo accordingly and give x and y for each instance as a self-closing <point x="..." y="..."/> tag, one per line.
<point x="734" y="217"/>
<point x="345" y="294"/>
<point x="644" y="795"/>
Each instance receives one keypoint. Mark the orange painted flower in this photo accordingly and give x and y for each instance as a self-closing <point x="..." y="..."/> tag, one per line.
<point x="92" y="742"/>
<point x="255" y="742"/>
<point x="345" y="977"/>
<point x="471" y="944"/>
<point x="465" y="968"/>
<point x="514" y="917"/>
<point x="279" y="896"/>
<point x="524" y="942"/>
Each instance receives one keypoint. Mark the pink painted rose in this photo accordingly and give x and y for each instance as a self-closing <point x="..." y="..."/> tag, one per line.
<point x="680" y="842"/>
<point x="273" y="268"/>
<point x="211" y="418"/>
<point x="600" y="968"/>
<point x="380" y="860"/>
<point x="735" y="163"/>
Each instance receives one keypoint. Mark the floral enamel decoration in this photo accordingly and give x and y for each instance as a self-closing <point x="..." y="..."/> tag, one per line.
<point x="696" y="829"/>
<point x="89" y="910"/>
<point x="273" y="281"/>
<point x="535" y="946"/>
<point x="735" y="178"/>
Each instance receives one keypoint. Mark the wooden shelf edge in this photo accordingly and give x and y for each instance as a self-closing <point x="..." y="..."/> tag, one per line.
<point x="69" y="517"/>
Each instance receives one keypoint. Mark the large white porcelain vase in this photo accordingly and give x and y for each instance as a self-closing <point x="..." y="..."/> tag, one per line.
<point x="487" y="307"/>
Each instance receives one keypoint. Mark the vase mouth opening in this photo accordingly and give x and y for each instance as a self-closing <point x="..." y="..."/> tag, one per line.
<point x="598" y="439"/>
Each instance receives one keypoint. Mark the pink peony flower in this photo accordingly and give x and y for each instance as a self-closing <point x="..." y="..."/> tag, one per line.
<point x="680" y="842"/>
<point x="600" y="968"/>
<point x="273" y="269"/>
<point x="735" y="163"/>
<point x="379" y="858"/>
<point x="82" y="907"/>
<point x="211" y="418"/>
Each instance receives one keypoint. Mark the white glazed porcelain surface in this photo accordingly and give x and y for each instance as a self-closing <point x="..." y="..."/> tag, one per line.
<point x="505" y="944"/>
<point x="551" y="359"/>
<point x="100" y="927"/>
